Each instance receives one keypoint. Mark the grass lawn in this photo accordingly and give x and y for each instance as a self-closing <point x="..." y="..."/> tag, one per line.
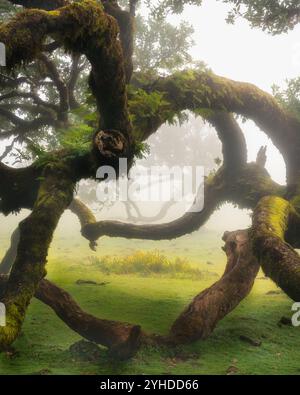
<point x="154" y="302"/>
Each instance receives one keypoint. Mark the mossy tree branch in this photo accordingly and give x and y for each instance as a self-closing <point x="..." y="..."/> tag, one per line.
<point x="54" y="196"/>
<point x="243" y="186"/>
<point x="81" y="27"/>
<point x="191" y="221"/>
<point x="124" y="18"/>
<point x="122" y="339"/>
<point x="201" y="316"/>
<point x="278" y="259"/>
<point x="202" y="92"/>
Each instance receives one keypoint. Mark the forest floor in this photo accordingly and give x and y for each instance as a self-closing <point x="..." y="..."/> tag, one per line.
<point x="153" y="298"/>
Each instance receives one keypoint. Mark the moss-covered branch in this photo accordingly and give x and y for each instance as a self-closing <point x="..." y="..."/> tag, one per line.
<point x="278" y="259"/>
<point x="81" y="27"/>
<point x="189" y="222"/>
<point x="122" y="339"/>
<point x="244" y="186"/>
<point x="84" y="215"/>
<point x="54" y="196"/>
<point x="201" y="316"/>
<point x="124" y="18"/>
<point x="202" y="92"/>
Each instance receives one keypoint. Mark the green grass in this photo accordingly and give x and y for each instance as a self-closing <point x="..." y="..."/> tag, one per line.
<point x="150" y="263"/>
<point x="154" y="302"/>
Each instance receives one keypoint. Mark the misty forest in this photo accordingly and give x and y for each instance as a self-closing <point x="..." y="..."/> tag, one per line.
<point x="95" y="287"/>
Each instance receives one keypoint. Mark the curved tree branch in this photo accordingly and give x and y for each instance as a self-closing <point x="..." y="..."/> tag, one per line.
<point x="190" y="222"/>
<point x="201" y="316"/>
<point x="244" y="186"/>
<point x="122" y="339"/>
<point x="278" y="259"/>
<point x="234" y="146"/>
<point x="124" y="18"/>
<point x="84" y="215"/>
<point x="203" y="91"/>
<point x="29" y="95"/>
<point x="81" y="27"/>
<point x="23" y="127"/>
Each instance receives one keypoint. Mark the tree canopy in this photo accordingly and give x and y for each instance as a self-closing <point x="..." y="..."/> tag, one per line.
<point x="274" y="16"/>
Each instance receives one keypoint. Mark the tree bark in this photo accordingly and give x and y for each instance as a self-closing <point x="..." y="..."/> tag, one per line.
<point x="201" y="316"/>
<point x="122" y="339"/>
<point x="55" y="195"/>
<point x="278" y="259"/>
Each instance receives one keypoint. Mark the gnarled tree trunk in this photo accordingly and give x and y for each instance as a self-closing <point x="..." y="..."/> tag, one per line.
<point x="201" y="316"/>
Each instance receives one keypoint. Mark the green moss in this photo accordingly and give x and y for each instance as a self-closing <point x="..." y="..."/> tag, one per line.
<point x="87" y="20"/>
<point x="273" y="213"/>
<point x="21" y="44"/>
<point x="36" y="231"/>
<point x="296" y="203"/>
<point x="76" y="26"/>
